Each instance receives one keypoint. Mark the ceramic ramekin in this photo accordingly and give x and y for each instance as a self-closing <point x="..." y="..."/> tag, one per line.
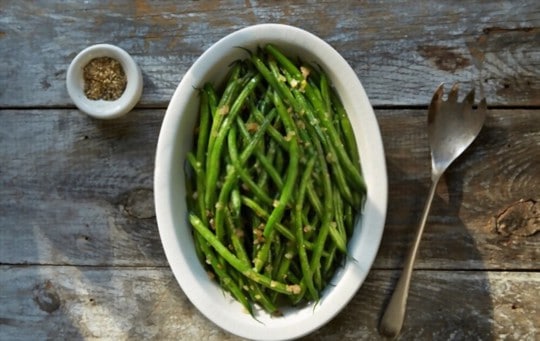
<point x="100" y="108"/>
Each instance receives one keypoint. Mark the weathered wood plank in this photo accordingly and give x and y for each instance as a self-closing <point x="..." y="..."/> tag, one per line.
<point x="140" y="303"/>
<point x="465" y="227"/>
<point x="79" y="191"/>
<point x="80" y="255"/>
<point x="400" y="52"/>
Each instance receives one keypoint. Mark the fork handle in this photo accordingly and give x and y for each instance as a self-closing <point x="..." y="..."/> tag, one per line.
<point x="393" y="317"/>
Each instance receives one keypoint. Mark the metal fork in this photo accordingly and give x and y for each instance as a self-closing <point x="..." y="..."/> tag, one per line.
<point x="452" y="127"/>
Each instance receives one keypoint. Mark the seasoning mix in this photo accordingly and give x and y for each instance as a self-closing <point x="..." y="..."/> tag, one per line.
<point x="104" y="78"/>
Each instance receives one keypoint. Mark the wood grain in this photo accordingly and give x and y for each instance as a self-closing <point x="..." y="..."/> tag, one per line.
<point x="80" y="193"/>
<point x="401" y="53"/>
<point x="77" y="190"/>
<point x="499" y="170"/>
<point x="62" y="302"/>
<point x="80" y="254"/>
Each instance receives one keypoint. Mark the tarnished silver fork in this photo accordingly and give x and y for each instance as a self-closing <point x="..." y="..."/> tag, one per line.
<point x="452" y="127"/>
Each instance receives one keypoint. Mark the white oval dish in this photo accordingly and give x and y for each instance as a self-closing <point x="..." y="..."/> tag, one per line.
<point x="175" y="140"/>
<point x="100" y="108"/>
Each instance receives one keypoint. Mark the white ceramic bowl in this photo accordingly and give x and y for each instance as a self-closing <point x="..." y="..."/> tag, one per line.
<point x="175" y="140"/>
<point x="100" y="108"/>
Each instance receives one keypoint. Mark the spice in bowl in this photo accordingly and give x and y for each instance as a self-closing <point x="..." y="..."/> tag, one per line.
<point x="104" y="78"/>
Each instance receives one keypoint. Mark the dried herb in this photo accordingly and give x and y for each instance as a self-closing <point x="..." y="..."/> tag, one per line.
<point x="104" y="78"/>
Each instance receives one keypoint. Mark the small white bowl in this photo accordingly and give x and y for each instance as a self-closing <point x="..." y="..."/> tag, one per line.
<point x="175" y="141"/>
<point x="100" y="108"/>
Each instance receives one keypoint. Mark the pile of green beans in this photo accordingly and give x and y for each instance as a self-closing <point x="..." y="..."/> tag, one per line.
<point x="274" y="182"/>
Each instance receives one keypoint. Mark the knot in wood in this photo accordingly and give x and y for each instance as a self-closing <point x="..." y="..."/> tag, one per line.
<point x="46" y="297"/>
<point x="520" y="219"/>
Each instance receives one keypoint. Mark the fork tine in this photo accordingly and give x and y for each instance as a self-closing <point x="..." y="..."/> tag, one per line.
<point x="453" y="94"/>
<point x="469" y="99"/>
<point x="435" y="102"/>
<point x="437" y="95"/>
<point x="482" y="105"/>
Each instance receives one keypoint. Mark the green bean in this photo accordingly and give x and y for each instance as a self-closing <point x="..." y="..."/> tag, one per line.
<point x="284" y="61"/>
<point x="261" y="212"/>
<point x="349" y="219"/>
<point x="223" y="106"/>
<point x="327" y="209"/>
<point x="339" y="217"/>
<point x="270" y="170"/>
<point x="337" y="237"/>
<point x="344" y="159"/>
<point x="263" y="251"/>
<point x="346" y="128"/>
<point x="307" y="277"/>
<point x="261" y="176"/>
<point x="242" y="267"/>
<point x="283" y="230"/>
<point x="254" y="290"/>
<point x="222" y="274"/>
<point x="292" y="168"/>
<point x="290" y="253"/>
<point x="191" y="188"/>
<point x="199" y="161"/>
<point x="236" y="204"/>
<point x="203" y="130"/>
<point x="280" y="161"/>
<point x="235" y="236"/>
<point x="258" y="295"/>
<point x="272" y="131"/>
<point x="275" y="82"/>
<point x="311" y="93"/>
<point x="314" y="199"/>
<point x="231" y="177"/>
<point x="329" y="261"/>
<point x="257" y="191"/>
<point x="265" y="104"/>
<point x="212" y="96"/>
<point x="213" y="163"/>
<point x="326" y="98"/>
<point x="329" y="148"/>
<point x="273" y="181"/>
<point x="195" y="165"/>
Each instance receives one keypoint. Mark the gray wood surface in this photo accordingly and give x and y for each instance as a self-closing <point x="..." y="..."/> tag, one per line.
<point x="146" y="303"/>
<point x="80" y="254"/>
<point x="400" y="51"/>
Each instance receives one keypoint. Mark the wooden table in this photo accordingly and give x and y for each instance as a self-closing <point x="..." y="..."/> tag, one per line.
<point x="80" y="254"/>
